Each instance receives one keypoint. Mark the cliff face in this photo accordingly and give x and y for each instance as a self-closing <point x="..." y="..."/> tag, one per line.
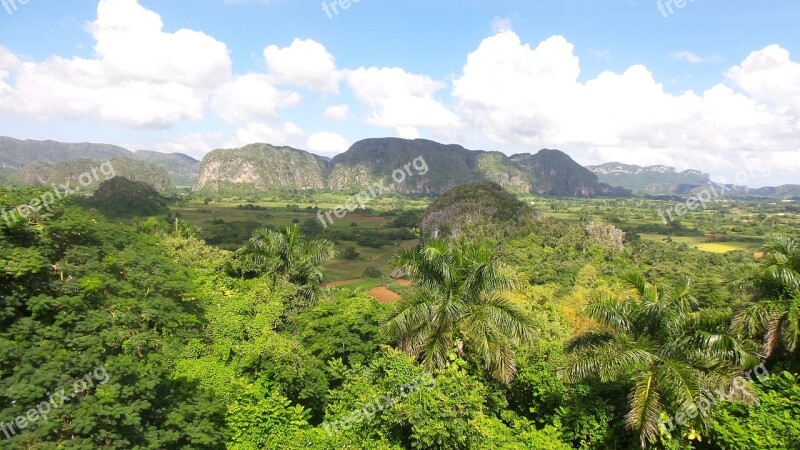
<point x="554" y="173"/>
<point x="261" y="167"/>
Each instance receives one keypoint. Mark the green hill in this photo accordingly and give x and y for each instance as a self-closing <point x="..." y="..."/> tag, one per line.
<point x="482" y="209"/>
<point x="121" y="197"/>
<point x="261" y="167"/>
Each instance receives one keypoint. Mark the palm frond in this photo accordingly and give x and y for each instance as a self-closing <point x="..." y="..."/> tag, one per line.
<point x="645" y="408"/>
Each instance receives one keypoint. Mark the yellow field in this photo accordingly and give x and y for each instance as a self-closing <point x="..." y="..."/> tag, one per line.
<point x="716" y="247"/>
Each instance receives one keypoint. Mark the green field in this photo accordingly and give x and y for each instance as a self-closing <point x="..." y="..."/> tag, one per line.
<point x="224" y="223"/>
<point x="227" y="221"/>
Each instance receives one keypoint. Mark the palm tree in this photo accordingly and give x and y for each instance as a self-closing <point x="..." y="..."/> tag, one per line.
<point x="671" y="355"/>
<point x="461" y="302"/>
<point x="774" y="312"/>
<point x="287" y="254"/>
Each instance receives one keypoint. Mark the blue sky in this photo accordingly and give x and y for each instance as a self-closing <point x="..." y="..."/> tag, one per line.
<point x="712" y="85"/>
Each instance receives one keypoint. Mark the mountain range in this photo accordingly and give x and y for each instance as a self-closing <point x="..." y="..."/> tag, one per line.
<point x="264" y="167"/>
<point x="654" y="180"/>
<point x="42" y="162"/>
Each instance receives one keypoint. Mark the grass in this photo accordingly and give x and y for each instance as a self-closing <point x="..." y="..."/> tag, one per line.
<point x="380" y="258"/>
<point x="278" y="215"/>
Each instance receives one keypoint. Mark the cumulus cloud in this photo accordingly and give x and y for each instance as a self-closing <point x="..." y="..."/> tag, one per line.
<point x="139" y="76"/>
<point x="304" y="63"/>
<point x="770" y="77"/>
<point x="288" y="134"/>
<point x="401" y="100"/>
<point x="327" y="143"/>
<point x="532" y="97"/>
<point x="195" y="145"/>
<point x="251" y="98"/>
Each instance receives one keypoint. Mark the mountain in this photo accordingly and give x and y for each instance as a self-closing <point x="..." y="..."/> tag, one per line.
<point x="30" y="162"/>
<point x="183" y="169"/>
<point x="371" y="160"/>
<point x="785" y="192"/>
<point x="653" y="180"/>
<point x="430" y="168"/>
<point x="555" y="173"/>
<point x="43" y="173"/>
<point x="15" y="154"/>
<point x="261" y="167"/>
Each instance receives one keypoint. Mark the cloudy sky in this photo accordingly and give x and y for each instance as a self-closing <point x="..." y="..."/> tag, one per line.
<point x="713" y="85"/>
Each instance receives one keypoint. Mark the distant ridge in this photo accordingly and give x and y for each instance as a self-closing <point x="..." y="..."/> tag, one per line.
<point x="263" y="167"/>
<point x="35" y="158"/>
<point x="653" y="180"/>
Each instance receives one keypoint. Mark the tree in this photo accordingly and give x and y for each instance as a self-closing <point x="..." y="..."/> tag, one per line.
<point x="672" y="355"/>
<point x="90" y="300"/>
<point x="287" y="254"/>
<point x="350" y="253"/>
<point x="774" y="312"/>
<point x="461" y="301"/>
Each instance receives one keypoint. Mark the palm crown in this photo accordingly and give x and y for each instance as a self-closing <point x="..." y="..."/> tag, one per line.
<point x="672" y="356"/>
<point x="774" y="313"/>
<point x="461" y="302"/>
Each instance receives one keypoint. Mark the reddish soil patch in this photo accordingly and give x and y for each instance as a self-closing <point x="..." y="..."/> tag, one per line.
<point x="384" y="295"/>
<point x="342" y="282"/>
<point x="758" y="255"/>
<point x="404" y="282"/>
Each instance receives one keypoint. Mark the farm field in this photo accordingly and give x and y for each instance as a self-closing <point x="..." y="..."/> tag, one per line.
<point x="229" y="222"/>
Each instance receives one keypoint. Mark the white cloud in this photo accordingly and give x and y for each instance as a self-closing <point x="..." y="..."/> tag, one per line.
<point x="304" y="63"/>
<point x="139" y="76"/>
<point x="533" y="98"/>
<point x="771" y="77"/>
<point x="195" y="145"/>
<point x="337" y="112"/>
<point x="401" y="100"/>
<point x="327" y="143"/>
<point x="287" y="134"/>
<point x="252" y="98"/>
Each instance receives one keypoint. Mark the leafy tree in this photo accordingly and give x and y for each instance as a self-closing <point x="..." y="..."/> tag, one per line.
<point x="350" y="253"/>
<point x="78" y="294"/>
<point x="774" y="312"/>
<point x="461" y="301"/>
<point x="672" y="355"/>
<point x="772" y="425"/>
<point x="345" y="327"/>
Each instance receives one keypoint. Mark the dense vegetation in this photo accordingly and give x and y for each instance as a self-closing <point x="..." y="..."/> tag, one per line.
<point x="554" y="332"/>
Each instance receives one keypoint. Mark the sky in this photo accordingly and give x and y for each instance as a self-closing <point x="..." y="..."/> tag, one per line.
<point x="694" y="84"/>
